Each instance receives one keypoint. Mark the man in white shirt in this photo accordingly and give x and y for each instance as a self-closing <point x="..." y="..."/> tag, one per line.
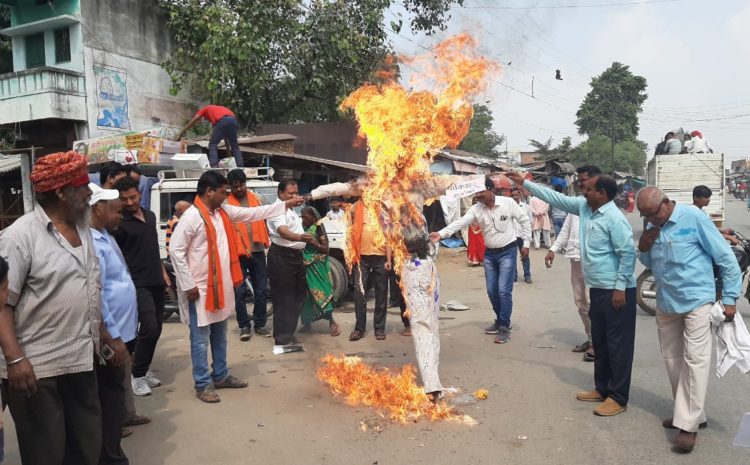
<point x="205" y="256"/>
<point x="337" y="211"/>
<point x="568" y="242"/>
<point x="495" y="216"/>
<point x="285" y="268"/>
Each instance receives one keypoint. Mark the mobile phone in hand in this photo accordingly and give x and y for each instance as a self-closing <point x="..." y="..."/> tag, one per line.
<point x="107" y="352"/>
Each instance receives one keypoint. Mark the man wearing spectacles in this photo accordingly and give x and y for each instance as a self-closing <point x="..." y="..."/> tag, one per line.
<point x="681" y="245"/>
<point x="608" y="258"/>
<point x="495" y="216"/>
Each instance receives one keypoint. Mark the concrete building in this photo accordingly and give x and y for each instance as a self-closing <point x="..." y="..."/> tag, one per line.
<point x="87" y="68"/>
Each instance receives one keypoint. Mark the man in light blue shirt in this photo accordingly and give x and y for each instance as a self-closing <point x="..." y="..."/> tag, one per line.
<point x="119" y="320"/>
<point x="608" y="259"/>
<point x="681" y="246"/>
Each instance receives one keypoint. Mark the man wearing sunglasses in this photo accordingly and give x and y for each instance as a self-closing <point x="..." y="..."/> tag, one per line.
<point x="680" y="245"/>
<point x="608" y="258"/>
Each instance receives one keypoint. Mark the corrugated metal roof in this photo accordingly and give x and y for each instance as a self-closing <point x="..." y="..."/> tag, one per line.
<point x="322" y="161"/>
<point x="9" y="162"/>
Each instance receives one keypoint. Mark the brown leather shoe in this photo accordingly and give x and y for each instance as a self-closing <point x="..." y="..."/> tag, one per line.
<point x="684" y="441"/>
<point x="669" y="425"/>
<point x="609" y="408"/>
<point x="590" y="396"/>
<point x="356" y="335"/>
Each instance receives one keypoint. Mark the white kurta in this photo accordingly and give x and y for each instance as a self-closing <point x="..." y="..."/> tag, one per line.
<point x="188" y="249"/>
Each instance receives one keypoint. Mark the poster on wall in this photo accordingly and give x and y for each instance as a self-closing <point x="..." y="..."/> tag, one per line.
<point x="111" y="97"/>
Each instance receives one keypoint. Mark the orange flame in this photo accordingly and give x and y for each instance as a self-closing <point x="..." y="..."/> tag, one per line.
<point x="396" y="393"/>
<point x="405" y="129"/>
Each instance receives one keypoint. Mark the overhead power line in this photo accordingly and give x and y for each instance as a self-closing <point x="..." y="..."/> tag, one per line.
<point x="589" y="5"/>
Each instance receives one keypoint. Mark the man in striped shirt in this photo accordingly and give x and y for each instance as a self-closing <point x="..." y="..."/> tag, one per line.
<point x="49" y="329"/>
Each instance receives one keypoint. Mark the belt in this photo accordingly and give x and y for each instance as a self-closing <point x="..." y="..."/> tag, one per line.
<point x="280" y="249"/>
<point x="501" y="249"/>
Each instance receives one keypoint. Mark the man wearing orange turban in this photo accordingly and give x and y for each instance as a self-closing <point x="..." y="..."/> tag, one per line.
<point x="52" y="319"/>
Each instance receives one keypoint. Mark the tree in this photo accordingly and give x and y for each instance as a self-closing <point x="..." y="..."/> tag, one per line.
<point x="611" y="107"/>
<point x="630" y="155"/>
<point x="543" y="149"/>
<point x="546" y="151"/>
<point x="482" y="139"/>
<point x="285" y="60"/>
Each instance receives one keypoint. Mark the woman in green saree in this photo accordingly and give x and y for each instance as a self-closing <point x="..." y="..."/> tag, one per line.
<point x="319" y="299"/>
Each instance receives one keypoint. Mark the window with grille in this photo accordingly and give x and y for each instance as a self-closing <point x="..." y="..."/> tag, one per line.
<point x="35" y="50"/>
<point x="62" y="45"/>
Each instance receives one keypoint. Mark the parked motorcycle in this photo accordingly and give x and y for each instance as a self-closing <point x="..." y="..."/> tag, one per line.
<point x="646" y="284"/>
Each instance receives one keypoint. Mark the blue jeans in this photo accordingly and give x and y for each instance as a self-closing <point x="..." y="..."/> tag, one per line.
<point x="257" y="270"/>
<point x="526" y="262"/>
<point x="558" y="224"/>
<point x="224" y="130"/>
<point x="200" y="337"/>
<point x="499" y="271"/>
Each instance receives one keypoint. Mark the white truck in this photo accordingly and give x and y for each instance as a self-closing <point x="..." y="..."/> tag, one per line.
<point x="176" y="185"/>
<point x="677" y="175"/>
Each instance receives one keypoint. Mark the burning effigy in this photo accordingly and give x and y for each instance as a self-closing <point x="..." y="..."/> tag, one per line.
<point x="394" y="393"/>
<point x="404" y="129"/>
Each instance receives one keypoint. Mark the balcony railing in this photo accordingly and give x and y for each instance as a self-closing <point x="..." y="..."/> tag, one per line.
<point x="39" y="80"/>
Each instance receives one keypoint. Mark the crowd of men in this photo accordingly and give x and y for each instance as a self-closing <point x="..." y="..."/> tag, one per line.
<point x="86" y="292"/>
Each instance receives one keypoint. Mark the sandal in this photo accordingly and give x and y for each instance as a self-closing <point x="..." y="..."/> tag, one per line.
<point x="380" y="335"/>
<point x="589" y="357"/>
<point x="334" y="328"/>
<point x="582" y="347"/>
<point x="406" y="332"/>
<point x="208" y="396"/>
<point x="230" y="382"/>
<point x="356" y="335"/>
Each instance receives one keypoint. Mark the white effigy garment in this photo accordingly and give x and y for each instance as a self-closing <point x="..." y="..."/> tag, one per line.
<point x="421" y="286"/>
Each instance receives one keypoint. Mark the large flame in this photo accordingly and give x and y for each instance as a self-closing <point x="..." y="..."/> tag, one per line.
<point x="404" y="129"/>
<point x="393" y="392"/>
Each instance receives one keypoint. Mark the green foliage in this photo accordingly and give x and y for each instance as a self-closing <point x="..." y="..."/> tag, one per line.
<point x="547" y="152"/>
<point x="481" y="139"/>
<point x="630" y="155"/>
<point x="284" y="60"/>
<point x="613" y="104"/>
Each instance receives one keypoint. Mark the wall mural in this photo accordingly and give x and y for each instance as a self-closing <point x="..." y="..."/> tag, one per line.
<point x="111" y="97"/>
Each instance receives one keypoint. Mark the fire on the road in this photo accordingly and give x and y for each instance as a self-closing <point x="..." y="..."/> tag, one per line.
<point x="404" y="129"/>
<point x="389" y="391"/>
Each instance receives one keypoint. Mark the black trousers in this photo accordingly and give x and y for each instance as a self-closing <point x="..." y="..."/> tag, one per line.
<point x="112" y="400"/>
<point x="61" y="424"/>
<point x="286" y="273"/>
<point x="613" y="336"/>
<point x="150" y="315"/>
<point x="370" y="271"/>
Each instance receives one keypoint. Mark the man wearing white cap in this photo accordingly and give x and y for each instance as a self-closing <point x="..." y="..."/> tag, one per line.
<point x="119" y="320"/>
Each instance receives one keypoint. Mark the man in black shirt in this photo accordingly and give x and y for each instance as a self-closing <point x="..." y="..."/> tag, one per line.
<point x="139" y="243"/>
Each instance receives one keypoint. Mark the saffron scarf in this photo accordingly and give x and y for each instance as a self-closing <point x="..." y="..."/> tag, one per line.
<point x="215" y="291"/>
<point x="258" y="228"/>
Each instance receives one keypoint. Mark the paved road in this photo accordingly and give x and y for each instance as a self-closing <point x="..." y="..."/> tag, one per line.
<point x="288" y="417"/>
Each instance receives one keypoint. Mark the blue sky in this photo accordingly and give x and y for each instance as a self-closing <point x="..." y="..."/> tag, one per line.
<point x="695" y="55"/>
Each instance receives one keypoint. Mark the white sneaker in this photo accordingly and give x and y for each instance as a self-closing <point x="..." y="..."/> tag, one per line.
<point x="140" y="387"/>
<point x="152" y="380"/>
